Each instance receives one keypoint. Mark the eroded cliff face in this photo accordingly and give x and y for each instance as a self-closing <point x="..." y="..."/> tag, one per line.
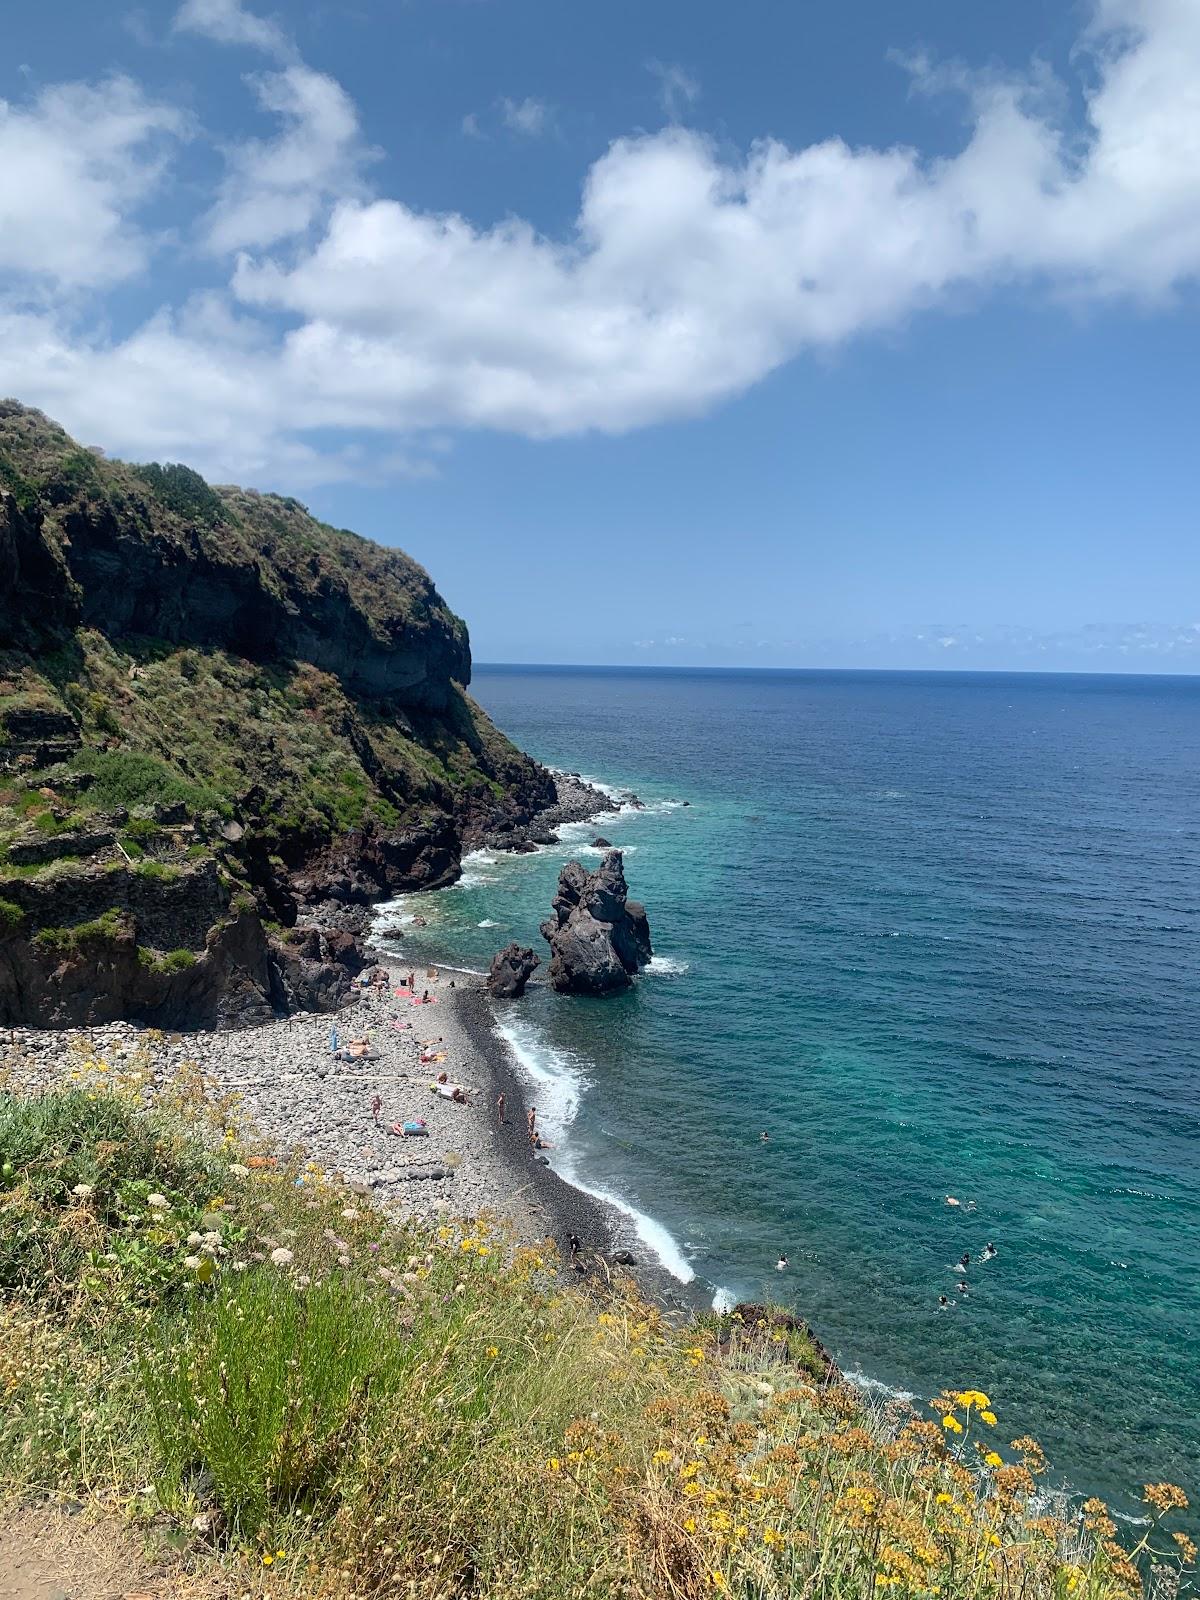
<point x="209" y="701"/>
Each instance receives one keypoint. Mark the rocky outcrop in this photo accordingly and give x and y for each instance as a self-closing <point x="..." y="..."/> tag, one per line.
<point x="171" y="950"/>
<point x="101" y="972"/>
<point x="511" y="970"/>
<point x="598" y="937"/>
<point x="369" y="864"/>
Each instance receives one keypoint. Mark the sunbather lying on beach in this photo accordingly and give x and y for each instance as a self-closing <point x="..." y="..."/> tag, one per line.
<point x="415" y="1129"/>
<point x="356" y="1050"/>
<point x="450" y="1091"/>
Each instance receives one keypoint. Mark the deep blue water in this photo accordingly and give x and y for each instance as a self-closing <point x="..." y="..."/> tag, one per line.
<point x="938" y="935"/>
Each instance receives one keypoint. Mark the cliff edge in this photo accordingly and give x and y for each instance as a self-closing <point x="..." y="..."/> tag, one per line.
<point x="221" y="722"/>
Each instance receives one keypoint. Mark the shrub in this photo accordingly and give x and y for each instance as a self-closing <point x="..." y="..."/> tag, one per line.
<point x="63" y="939"/>
<point x="101" y="713"/>
<point x="157" y="870"/>
<point x="142" y="829"/>
<point x="46" y="822"/>
<point x="183" y="491"/>
<point x="174" y="961"/>
<point x="78" y="1166"/>
<point x="269" y="1389"/>
<point x="12" y="919"/>
<point x="126" y="778"/>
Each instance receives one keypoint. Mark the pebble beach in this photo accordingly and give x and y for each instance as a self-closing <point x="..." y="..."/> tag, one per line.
<point x="296" y="1094"/>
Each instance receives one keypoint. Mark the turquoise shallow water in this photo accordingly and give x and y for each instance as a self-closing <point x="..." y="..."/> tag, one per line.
<point x="938" y="935"/>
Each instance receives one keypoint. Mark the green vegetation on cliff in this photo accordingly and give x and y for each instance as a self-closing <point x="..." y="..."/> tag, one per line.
<point x="288" y="1394"/>
<point x="231" y="672"/>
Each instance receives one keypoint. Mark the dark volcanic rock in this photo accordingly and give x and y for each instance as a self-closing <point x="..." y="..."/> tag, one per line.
<point x="96" y="946"/>
<point x="511" y="970"/>
<point x="598" y="938"/>
<point x="366" y="864"/>
<point x="602" y="843"/>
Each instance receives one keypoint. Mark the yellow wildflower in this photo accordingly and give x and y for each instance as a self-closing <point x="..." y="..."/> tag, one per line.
<point x="952" y="1422"/>
<point x="973" y="1397"/>
<point x="993" y="1460"/>
<point x="662" y="1457"/>
<point x="492" y="1352"/>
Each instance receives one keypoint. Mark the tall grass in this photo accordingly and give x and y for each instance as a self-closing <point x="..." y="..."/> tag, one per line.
<point x="325" y="1402"/>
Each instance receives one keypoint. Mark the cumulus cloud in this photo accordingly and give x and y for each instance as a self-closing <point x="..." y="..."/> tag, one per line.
<point x="75" y="164"/>
<point x="275" y="188"/>
<point x="689" y="273"/>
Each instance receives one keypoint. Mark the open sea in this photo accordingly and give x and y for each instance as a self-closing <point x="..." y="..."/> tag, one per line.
<point x="938" y="936"/>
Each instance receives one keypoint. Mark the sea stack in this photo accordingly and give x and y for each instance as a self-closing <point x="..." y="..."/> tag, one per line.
<point x="511" y="970"/>
<point x="598" y="937"/>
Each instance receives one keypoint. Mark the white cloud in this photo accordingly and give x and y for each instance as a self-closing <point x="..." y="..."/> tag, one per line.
<point x="228" y="22"/>
<point x="677" y="88"/>
<point x="74" y="166"/>
<point x="688" y="276"/>
<point x="274" y="189"/>
<point x="529" y="117"/>
<point x="470" y="125"/>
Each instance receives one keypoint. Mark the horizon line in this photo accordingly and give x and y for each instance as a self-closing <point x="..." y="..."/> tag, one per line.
<point x="929" y="672"/>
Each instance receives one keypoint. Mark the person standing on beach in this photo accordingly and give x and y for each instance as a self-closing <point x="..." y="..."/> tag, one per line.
<point x="531" y="1120"/>
<point x="500" y="1108"/>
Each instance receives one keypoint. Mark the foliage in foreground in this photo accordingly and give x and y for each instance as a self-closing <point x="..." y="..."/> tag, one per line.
<point x="319" y="1403"/>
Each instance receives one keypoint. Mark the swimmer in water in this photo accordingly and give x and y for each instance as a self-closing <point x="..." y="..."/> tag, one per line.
<point x="781" y="1264"/>
<point x="764" y="1137"/>
<point x="989" y="1251"/>
<point x="965" y="1259"/>
<point x="943" y="1303"/>
<point x="962" y="1286"/>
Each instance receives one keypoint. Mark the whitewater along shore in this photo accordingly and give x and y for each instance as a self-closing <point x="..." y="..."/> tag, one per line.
<point x="294" y="1093"/>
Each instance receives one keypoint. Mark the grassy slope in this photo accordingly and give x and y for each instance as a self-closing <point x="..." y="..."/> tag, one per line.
<point x="294" y="1396"/>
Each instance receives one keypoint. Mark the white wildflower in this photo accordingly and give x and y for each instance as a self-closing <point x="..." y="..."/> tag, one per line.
<point x="195" y="1239"/>
<point x="237" y="1170"/>
<point x="158" y="1202"/>
<point x="82" y="1190"/>
<point x="282" y="1257"/>
<point x="192" y="1263"/>
<point x="351" y="1214"/>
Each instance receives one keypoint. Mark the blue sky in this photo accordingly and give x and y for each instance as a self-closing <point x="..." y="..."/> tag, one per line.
<point x="778" y="334"/>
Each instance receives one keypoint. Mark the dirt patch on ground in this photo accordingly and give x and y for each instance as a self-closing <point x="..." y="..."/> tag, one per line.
<point x="45" y="1554"/>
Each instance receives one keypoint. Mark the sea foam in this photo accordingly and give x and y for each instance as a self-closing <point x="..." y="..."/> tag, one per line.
<point x="558" y="1078"/>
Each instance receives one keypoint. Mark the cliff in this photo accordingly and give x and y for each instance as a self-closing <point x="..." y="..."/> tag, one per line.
<point x="218" y="717"/>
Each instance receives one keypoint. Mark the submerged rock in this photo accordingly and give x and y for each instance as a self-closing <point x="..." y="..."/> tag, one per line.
<point x="511" y="970"/>
<point x="598" y="937"/>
